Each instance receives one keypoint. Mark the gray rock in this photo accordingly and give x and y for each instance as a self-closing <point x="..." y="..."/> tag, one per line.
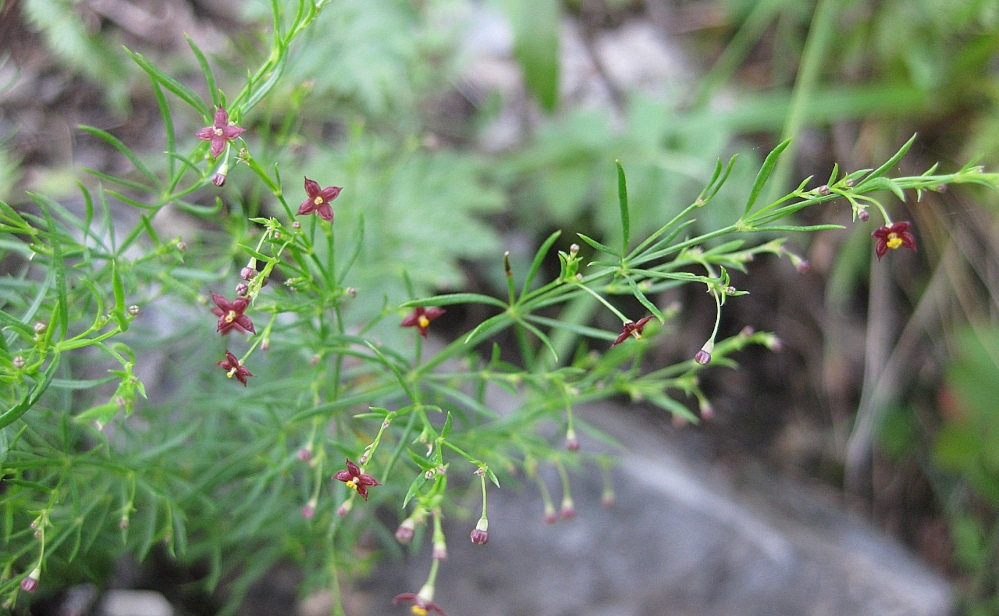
<point x="134" y="603"/>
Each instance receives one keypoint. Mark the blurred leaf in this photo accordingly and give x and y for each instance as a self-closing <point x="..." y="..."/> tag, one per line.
<point x="536" y="26"/>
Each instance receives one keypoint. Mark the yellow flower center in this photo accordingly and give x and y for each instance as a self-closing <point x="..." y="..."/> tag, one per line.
<point x="419" y="611"/>
<point x="230" y="316"/>
<point x="231" y="373"/>
<point x="352" y="484"/>
<point x="423" y="321"/>
<point x="894" y="241"/>
<point x="318" y="200"/>
<point x="218" y="132"/>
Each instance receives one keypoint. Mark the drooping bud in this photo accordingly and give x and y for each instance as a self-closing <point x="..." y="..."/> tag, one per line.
<point x="480" y="534"/>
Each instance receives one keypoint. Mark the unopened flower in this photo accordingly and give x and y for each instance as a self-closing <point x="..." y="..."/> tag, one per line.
<point x="551" y="516"/>
<point x="220" y="132"/>
<point x="421" y="318"/>
<point x="319" y="199"/>
<point x="893" y="236"/>
<point x="234" y="368"/>
<point x="568" y="510"/>
<point x="631" y="329"/>
<point x="304" y="454"/>
<point x="404" y="534"/>
<point x="231" y="315"/>
<point x="422" y="603"/>
<point x="480" y="534"/>
<point x="355" y="479"/>
<point x="703" y="357"/>
<point x="309" y="509"/>
<point x="30" y="583"/>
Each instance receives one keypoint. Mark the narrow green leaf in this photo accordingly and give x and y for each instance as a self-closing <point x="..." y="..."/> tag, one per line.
<point x="168" y="82"/>
<point x="622" y="200"/>
<point x="539" y="257"/>
<point x="764" y="174"/>
<point x="118" y="312"/>
<point x="206" y="71"/>
<point x="640" y="296"/>
<point x="597" y="245"/>
<point x="541" y="336"/>
<point x="456" y="298"/>
<point x="171" y="138"/>
<point x="448" y="425"/>
<point x="124" y="149"/>
<point x="887" y="166"/>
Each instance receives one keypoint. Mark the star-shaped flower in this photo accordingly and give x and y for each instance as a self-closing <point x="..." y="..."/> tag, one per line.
<point x="355" y="479"/>
<point x="231" y="315"/>
<point x="421" y="318"/>
<point x="234" y="368"/>
<point x="631" y="329"/>
<point x="319" y="199"/>
<point x="893" y="236"/>
<point x="220" y="132"/>
<point x="421" y="606"/>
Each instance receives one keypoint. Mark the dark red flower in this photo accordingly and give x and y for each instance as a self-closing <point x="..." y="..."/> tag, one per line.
<point x="319" y="199"/>
<point x="220" y="132"/>
<point x="631" y="329"/>
<point x="231" y="315"/>
<point x="234" y="368"/>
<point x="893" y="236"/>
<point x="355" y="479"/>
<point x="421" y="318"/>
<point x="420" y="607"/>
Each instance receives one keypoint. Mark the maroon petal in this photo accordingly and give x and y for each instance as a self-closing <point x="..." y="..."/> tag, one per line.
<point x="342" y="475"/>
<point x="245" y="322"/>
<point x="224" y="304"/>
<point x="330" y="193"/>
<point x="325" y="212"/>
<point x="312" y="188"/>
<point x="218" y="144"/>
<point x="307" y="207"/>
<point x="221" y="117"/>
<point x="205" y="133"/>
<point x="232" y="131"/>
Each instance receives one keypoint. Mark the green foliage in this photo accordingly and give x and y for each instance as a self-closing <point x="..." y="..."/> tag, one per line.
<point x="120" y="432"/>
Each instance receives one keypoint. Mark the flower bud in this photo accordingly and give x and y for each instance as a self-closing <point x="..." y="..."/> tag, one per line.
<point x="863" y="215"/>
<point x="309" y="509"/>
<point x="702" y="357"/>
<point x="304" y="454"/>
<point x="823" y="190"/>
<point x="404" y="534"/>
<point x="18" y="362"/>
<point x="242" y="289"/>
<point x="30" y="583"/>
<point x="480" y="534"/>
<point x="133" y="310"/>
